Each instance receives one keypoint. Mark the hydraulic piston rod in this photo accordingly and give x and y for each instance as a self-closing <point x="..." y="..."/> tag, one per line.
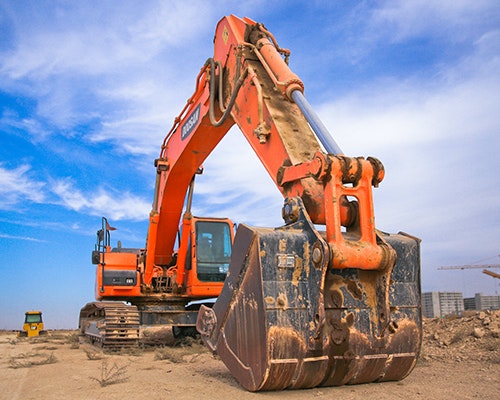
<point x="316" y="124"/>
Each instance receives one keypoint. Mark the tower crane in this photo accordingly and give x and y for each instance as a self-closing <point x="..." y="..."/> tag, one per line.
<point x="491" y="273"/>
<point x="470" y="266"/>
<point x="475" y="266"/>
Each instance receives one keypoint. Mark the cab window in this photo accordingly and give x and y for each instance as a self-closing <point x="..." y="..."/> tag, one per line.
<point x="213" y="250"/>
<point x="33" y="318"/>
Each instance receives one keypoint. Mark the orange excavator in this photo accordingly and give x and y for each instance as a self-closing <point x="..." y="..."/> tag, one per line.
<point x="326" y="299"/>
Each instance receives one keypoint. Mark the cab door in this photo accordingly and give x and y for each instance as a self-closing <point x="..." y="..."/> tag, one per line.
<point x="211" y="243"/>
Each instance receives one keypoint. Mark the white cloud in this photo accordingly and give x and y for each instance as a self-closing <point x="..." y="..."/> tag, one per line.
<point x="83" y="64"/>
<point x="460" y="101"/>
<point x="16" y="186"/>
<point x="456" y="19"/>
<point x="235" y="184"/>
<point x="441" y="29"/>
<point x="385" y="116"/>
<point x="18" y="189"/>
<point x="12" y="123"/>
<point x="95" y="40"/>
<point x="138" y="134"/>
<point x="115" y="205"/>
<point x="25" y="238"/>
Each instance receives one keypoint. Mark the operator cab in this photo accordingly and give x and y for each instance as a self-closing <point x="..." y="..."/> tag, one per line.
<point x="213" y="250"/>
<point x="207" y="254"/>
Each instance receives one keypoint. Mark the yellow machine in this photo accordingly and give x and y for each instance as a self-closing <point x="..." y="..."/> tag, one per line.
<point x="33" y="324"/>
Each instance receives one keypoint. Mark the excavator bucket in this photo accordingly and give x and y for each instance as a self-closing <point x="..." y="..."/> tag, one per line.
<point x="285" y="320"/>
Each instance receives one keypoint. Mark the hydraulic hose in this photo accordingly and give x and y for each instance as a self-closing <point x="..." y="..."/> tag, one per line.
<point x="237" y="87"/>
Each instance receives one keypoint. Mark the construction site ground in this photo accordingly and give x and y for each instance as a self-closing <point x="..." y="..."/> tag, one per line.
<point x="460" y="359"/>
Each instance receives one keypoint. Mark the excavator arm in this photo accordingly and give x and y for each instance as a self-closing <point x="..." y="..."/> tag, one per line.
<point x="248" y="83"/>
<point x="300" y="307"/>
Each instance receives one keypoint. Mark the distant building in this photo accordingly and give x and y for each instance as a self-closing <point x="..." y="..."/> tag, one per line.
<point x="482" y="302"/>
<point x="470" y="303"/>
<point x="440" y="304"/>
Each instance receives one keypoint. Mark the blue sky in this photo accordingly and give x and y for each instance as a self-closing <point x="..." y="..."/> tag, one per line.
<point x="89" y="89"/>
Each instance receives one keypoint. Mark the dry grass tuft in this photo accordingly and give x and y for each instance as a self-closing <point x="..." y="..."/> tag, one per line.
<point x="31" y="360"/>
<point x="111" y="375"/>
<point x="93" y="353"/>
<point x="187" y="351"/>
<point x="73" y="339"/>
<point x="167" y="353"/>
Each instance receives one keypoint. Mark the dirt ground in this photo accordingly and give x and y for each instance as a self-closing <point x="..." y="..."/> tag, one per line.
<point x="460" y="360"/>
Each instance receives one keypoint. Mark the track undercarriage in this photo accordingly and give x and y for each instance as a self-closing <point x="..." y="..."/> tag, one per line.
<point x="114" y="325"/>
<point x="110" y="325"/>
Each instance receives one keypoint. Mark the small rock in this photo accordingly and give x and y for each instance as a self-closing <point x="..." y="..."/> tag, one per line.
<point x="478" y="333"/>
<point x="481" y="315"/>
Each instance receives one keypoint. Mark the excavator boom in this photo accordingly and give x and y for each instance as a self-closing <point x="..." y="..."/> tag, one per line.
<point x="248" y="83"/>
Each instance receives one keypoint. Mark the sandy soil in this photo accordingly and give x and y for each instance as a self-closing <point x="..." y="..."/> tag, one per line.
<point x="455" y="364"/>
